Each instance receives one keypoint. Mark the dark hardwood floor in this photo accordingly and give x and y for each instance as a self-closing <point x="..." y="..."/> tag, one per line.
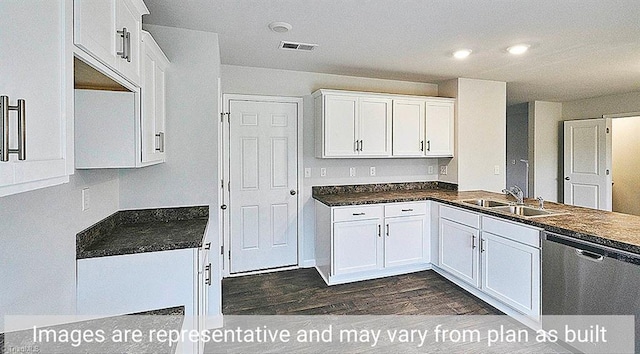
<point x="303" y="292"/>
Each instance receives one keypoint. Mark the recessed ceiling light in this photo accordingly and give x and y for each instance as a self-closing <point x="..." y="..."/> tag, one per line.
<point x="462" y="53"/>
<point x="280" y="27"/>
<point x="518" y="49"/>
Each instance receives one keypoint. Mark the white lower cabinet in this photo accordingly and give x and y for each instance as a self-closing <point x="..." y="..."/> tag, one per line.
<point x="364" y="242"/>
<point x="124" y="284"/>
<point x="458" y="254"/>
<point x="496" y="260"/>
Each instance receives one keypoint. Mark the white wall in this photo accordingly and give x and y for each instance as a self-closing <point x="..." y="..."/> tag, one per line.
<point x="38" y="242"/>
<point x="626" y="164"/>
<point x="480" y="133"/>
<point x="545" y="136"/>
<point x="190" y="174"/>
<point x="271" y="82"/>
<point x="517" y="146"/>
<point x="598" y="106"/>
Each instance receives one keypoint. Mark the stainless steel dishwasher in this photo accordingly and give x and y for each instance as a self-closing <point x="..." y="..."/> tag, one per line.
<point x="582" y="278"/>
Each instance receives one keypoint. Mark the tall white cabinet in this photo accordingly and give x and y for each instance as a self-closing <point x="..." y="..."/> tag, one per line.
<point x="37" y="71"/>
<point x="372" y="125"/>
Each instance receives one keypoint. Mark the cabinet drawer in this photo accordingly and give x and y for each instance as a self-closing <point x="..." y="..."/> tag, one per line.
<point x="405" y="209"/>
<point x="460" y="216"/>
<point x="359" y="212"/>
<point x="522" y="234"/>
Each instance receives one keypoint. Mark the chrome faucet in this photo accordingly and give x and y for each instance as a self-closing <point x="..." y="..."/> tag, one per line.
<point x="517" y="193"/>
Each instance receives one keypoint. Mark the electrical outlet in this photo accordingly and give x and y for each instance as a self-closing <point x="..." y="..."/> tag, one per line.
<point x="496" y="169"/>
<point x="352" y="172"/>
<point x="307" y="172"/>
<point x="323" y="172"/>
<point x="85" y="199"/>
<point x="430" y="170"/>
<point x="443" y="170"/>
<point x="372" y="171"/>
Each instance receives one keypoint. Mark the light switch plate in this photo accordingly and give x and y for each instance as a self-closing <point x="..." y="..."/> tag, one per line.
<point x="307" y="172"/>
<point x="496" y="169"/>
<point x="323" y="172"/>
<point x="85" y="199"/>
<point x="430" y="170"/>
<point x="352" y="172"/>
<point x="372" y="171"/>
<point x="443" y="170"/>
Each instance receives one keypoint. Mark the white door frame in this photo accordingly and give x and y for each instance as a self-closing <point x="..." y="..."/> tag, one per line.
<point x="225" y="237"/>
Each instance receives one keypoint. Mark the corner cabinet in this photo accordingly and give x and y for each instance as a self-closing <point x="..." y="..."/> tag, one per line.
<point x="370" y="241"/>
<point x="37" y="95"/>
<point x="122" y="129"/>
<point x="493" y="259"/>
<point x="371" y="125"/>
<point x="110" y="31"/>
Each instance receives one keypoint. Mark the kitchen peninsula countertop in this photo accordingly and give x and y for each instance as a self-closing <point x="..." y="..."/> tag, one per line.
<point x="146" y="230"/>
<point x="616" y="230"/>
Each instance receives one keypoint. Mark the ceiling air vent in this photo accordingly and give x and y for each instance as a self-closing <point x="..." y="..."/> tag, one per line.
<point x="297" y="46"/>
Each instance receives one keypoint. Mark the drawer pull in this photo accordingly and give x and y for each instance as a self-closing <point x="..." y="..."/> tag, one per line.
<point x="379" y="233"/>
<point x="387" y="230"/>
<point x="405" y="210"/>
<point x="358" y="214"/>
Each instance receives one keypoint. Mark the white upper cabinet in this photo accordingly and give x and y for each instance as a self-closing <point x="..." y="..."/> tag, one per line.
<point x="439" y="126"/>
<point x="109" y="31"/>
<point x="154" y="64"/>
<point x="354" y="125"/>
<point x="371" y="125"/>
<point x="408" y="127"/>
<point x="37" y="67"/>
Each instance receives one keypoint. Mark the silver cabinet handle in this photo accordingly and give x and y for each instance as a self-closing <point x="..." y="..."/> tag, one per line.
<point x="379" y="232"/>
<point x="128" y="38"/>
<point x="207" y="246"/>
<point x="481" y="245"/>
<point x="356" y="146"/>
<point x="422" y="145"/>
<point x="361" y="145"/>
<point x="428" y="145"/>
<point x="160" y="137"/>
<point x="207" y="269"/>
<point x="387" y="230"/>
<point x="406" y="210"/>
<point x="473" y="241"/>
<point x="123" y="35"/>
<point x="589" y="255"/>
<point x="21" y="151"/>
<point x="358" y="214"/>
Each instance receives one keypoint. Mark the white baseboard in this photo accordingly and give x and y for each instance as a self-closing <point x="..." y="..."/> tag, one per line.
<point x="308" y="263"/>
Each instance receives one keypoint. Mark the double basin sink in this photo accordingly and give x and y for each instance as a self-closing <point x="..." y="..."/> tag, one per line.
<point x="507" y="208"/>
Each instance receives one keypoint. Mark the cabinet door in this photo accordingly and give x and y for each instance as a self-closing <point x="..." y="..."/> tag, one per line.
<point x="458" y="253"/>
<point x="340" y="114"/>
<point x="374" y="127"/>
<point x="357" y="246"/>
<point x="408" y="127"/>
<point x="128" y="17"/>
<point x="511" y="273"/>
<point x="153" y="101"/>
<point x="37" y="66"/>
<point x="439" y="129"/>
<point x="405" y="241"/>
<point x="95" y="29"/>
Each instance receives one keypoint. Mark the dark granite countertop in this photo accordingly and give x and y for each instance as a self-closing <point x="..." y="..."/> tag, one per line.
<point x="147" y="230"/>
<point x="616" y="230"/>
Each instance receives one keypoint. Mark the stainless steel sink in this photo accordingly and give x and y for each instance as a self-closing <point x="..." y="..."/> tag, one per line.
<point x="487" y="203"/>
<point x="526" y="211"/>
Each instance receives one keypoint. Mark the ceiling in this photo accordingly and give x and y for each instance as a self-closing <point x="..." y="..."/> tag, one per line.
<point x="579" y="48"/>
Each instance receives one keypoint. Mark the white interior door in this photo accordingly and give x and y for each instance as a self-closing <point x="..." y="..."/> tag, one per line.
<point x="263" y="185"/>
<point x="587" y="163"/>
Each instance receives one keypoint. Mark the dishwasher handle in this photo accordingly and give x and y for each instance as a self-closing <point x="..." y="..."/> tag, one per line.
<point x="590" y="255"/>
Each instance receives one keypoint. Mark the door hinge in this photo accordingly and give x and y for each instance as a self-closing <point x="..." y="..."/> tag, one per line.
<point x="222" y="250"/>
<point x="607" y="130"/>
<point x="228" y="114"/>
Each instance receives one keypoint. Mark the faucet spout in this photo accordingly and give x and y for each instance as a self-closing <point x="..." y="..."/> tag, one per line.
<point x="517" y="193"/>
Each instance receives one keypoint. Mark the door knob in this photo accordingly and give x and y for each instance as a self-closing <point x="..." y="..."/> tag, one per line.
<point x="292" y="192"/>
<point x="567" y="178"/>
